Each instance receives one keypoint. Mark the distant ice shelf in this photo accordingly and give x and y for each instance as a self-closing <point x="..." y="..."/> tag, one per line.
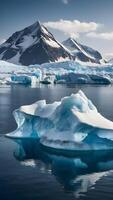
<point x="70" y="124"/>
<point x="68" y="72"/>
<point x="76" y="72"/>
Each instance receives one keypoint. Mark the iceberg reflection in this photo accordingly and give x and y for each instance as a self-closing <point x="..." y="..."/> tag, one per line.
<point x="76" y="172"/>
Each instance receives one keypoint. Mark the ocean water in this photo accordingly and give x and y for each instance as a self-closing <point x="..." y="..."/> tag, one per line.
<point x="30" y="172"/>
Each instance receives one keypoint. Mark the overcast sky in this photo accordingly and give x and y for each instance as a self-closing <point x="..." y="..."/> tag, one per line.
<point x="89" y="21"/>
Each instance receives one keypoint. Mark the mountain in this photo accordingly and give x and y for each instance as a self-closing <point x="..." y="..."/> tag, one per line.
<point x="33" y="45"/>
<point x="82" y="52"/>
<point x="36" y="45"/>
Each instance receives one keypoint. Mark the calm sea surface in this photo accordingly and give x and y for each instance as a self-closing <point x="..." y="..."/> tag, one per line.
<point x="29" y="172"/>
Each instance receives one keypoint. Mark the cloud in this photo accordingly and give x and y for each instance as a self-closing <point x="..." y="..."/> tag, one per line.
<point x="104" y="36"/>
<point x="72" y="28"/>
<point x="2" y="41"/>
<point x="108" y="55"/>
<point x="65" y="1"/>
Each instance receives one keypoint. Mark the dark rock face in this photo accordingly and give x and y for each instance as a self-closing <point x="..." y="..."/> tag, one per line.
<point x="33" y="45"/>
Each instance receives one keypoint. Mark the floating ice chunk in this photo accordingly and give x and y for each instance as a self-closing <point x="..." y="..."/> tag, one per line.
<point x="72" y="124"/>
<point x="85" y="78"/>
<point x="22" y="79"/>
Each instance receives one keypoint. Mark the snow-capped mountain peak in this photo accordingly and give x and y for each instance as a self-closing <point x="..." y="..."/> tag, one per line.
<point x="70" y="43"/>
<point x="82" y="52"/>
<point x="33" y="45"/>
<point x="36" y="45"/>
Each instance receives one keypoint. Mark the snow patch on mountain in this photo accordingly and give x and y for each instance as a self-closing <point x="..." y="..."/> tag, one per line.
<point x="51" y="43"/>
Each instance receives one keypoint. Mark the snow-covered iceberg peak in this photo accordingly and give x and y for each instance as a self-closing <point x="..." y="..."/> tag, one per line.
<point x="75" y="102"/>
<point x="40" y="108"/>
<point x="67" y="124"/>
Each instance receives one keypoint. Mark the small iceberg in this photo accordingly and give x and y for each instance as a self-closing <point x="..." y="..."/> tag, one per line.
<point x="73" y="123"/>
<point x="82" y="78"/>
<point x="22" y="79"/>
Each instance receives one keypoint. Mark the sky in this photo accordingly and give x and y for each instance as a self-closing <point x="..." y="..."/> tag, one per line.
<point x="88" y="21"/>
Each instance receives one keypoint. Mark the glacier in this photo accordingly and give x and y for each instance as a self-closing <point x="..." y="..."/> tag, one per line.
<point x="73" y="123"/>
<point x="76" y="72"/>
<point x="68" y="72"/>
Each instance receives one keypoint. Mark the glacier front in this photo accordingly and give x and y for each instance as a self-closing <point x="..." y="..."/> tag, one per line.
<point x="73" y="123"/>
<point x="68" y="72"/>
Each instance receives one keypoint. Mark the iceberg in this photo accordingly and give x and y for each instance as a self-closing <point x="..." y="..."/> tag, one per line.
<point x="23" y="79"/>
<point x="17" y="74"/>
<point x="73" y="123"/>
<point x="77" y="78"/>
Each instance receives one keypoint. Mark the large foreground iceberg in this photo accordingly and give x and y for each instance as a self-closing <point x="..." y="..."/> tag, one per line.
<point x="71" y="124"/>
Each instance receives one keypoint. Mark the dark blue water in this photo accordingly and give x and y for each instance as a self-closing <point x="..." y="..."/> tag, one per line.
<point x="29" y="172"/>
